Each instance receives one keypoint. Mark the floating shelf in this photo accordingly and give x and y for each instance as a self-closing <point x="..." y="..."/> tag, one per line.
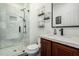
<point x="46" y="18"/>
<point x="41" y="14"/>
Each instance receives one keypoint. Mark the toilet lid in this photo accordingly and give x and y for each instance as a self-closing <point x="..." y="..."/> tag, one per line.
<point x="32" y="47"/>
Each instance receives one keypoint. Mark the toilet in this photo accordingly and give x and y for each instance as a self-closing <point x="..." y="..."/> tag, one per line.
<point x="33" y="49"/>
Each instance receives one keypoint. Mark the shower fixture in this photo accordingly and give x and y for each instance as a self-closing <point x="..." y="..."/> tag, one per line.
<point x="24" y="21"/>
<point x="23" y="10"/>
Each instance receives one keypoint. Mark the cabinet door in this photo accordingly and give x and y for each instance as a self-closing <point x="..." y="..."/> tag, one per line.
<point x="42" y="47"/>
<point x="62" y="50"/>
<point x="45" y="47"/>
<point x="48" y="48"/>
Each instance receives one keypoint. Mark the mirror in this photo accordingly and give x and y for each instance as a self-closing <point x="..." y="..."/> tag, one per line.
<point x="65" y="15"/>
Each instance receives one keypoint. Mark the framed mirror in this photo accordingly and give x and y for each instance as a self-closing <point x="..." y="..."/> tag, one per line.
<point x="65" y="15"/>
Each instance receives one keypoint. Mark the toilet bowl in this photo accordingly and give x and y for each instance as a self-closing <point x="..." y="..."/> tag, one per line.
<point x="32" y="49"/>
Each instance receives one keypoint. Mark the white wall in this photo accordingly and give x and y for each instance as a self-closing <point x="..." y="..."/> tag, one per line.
<point x="33" y="22"/>
<point x="35" y="31"/>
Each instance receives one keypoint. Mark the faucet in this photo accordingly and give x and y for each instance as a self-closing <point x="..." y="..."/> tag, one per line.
<point x="61" y="30"/>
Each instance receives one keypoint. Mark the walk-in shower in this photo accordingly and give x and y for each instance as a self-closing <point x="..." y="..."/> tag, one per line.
<point x="14" y="28"/>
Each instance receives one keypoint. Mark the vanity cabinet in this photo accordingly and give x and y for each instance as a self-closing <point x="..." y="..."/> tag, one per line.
<point x="50" y="48"/>
<point x="45" y="47"/>
<point x="63" y="50"/>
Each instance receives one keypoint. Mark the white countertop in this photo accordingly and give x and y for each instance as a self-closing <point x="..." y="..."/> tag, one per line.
<point x="70" y="41"/>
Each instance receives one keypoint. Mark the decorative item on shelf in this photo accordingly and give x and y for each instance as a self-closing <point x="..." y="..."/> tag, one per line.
<point x="41" y="24"/>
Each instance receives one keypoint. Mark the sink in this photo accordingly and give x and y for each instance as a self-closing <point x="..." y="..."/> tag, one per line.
<point x="72" y="41"/>
<point x="62" y="38"/>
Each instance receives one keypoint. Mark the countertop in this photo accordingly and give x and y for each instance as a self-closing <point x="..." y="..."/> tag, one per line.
<point x="70" y="41"/>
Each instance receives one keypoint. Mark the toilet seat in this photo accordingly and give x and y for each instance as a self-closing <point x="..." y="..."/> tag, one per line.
<point x="32" y="47"/>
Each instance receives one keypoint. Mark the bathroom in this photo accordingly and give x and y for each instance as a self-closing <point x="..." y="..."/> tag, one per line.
<point x="39" y="29"/>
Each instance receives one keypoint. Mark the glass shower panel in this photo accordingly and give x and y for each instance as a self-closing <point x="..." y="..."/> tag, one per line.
<point x="9" y="27"/>
<point x="11" y="39"/>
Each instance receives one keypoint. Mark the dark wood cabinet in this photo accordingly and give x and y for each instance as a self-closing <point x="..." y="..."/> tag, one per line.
<point x="50" y="48"/>
<point x="45" y="47"/>
<point x="63" y="50"/>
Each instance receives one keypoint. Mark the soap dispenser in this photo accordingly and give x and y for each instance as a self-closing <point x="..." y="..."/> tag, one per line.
<point x="55" y="32"/>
